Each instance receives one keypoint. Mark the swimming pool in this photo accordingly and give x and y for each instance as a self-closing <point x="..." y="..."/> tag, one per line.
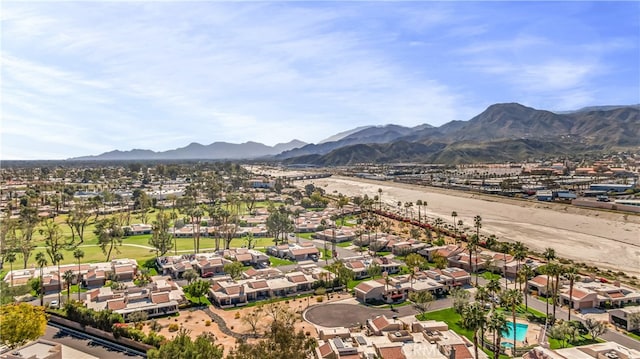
<point x="521" y="331"/>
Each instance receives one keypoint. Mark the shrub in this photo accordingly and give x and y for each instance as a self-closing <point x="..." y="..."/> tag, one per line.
<point x="155" y="326"/>
<point x="319" y="299"/>
<point x="173" y="327"/>
<point x="207" y="323"/>
<point x="237" y="315"/>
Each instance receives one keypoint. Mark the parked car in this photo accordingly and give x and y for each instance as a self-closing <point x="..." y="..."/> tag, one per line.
<point x="54" y="304"/>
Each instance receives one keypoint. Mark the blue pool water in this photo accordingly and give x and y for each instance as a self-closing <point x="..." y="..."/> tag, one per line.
<point x="506" y="344"/>
<point x="521" y="331"/>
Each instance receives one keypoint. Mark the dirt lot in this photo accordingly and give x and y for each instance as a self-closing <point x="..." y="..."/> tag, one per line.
<point x="606" y="239"/>
<point x="195" y="320"/>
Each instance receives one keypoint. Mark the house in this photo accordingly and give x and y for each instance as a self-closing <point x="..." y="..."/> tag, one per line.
<point x="246" y="256"/>
<point x="295" y="251"/>
<point x="620" y="317"/>
<point x="39" y="349"/>
<point x="538" y="284"/>
<point x="94" y="278"/>
<point x="338" y="235"/>
<point x="161" y="297"/>
<point x="137" y="229"/>
<point x="380" y="324"/>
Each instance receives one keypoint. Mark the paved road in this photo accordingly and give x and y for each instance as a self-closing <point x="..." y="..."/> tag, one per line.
<point x="349" y="314"/>
<point x="88" y="346"/>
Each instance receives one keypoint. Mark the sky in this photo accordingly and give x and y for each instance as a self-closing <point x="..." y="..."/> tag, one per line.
<point x="82" y="78"/>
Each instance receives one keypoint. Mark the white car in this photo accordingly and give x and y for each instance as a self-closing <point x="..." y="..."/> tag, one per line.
<point x="53" y="304"/>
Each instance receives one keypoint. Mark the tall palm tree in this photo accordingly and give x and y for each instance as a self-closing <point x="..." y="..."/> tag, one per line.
<point x="493" y="287"/>
<point x="555" y="270"/>
<point x="482" y="295"/>
<point x="474" y="318"/>
<point x="526" y="273"/>
<point x="454" y="214"/>
<point x="512" y="298"/>
<point x="10" y="257"/>
<point x="472" y="246"/>
<point x="498" y="324"/>
<point x="380" y="199"/>
<point x="41" y="259"/>
<point x="68" y="277"/>
<point x="519" y="252"/>
<point x="78" y="254"/>
<point x="58" y="257"/>
<point x="419" y="204"/>
<point x="549" y="254"/>
<point x="477" y="222"/>
<point x="571" y="272"/>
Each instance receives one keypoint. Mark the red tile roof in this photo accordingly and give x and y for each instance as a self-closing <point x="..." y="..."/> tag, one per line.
<point x="116" y="304"/>
<point x="392" y="353"/>
<point x="160" y="298"/>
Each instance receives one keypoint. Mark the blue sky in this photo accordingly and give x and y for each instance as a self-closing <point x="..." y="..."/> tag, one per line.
<point x="82" y="78"/>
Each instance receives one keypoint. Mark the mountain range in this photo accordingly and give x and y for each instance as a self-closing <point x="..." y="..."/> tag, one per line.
<point x="503" y="132"/>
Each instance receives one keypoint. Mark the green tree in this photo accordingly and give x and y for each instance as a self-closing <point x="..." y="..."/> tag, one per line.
<point x="41" y="259"/>
<point x="233" y="269"/>
<point x="571" y="273"/>
<point x="595" y="327"/>
<point x="182" y="347"/>
<point x="511" y="299"/>
<point x="280" y="341"/>
<point x="197" y="289"/>
<point x="549" y="254"/>
<point x="161" y="238"/>
<point x="78" y="219"/>
<point x="415" y="260"/>
<point x="10" y="257"/>
<point x="474" y="318"/>
<point x="421" y="300"/>
<point x="497" y="323"/>
<point x="519" y="252"/>
<point x="78" y="254"/>
<point x="472" y="247"/>
<point x="279" y="224"/>
<point x="454" y="214"/>
<point x="440" y="261"/>
<point x="190" y="275"/>
<point x="374" y="270"/>
<point x="21" y="322"/>
<point x="68" y="277"/>
<point x="138" y="316"/>
<point x="109" y="234"/>
<point x="460" y="299"/>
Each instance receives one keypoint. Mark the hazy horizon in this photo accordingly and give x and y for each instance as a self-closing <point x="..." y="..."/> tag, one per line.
<point x="91" y="77"/>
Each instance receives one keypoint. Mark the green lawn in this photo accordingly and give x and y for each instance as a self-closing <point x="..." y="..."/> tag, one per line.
<point x="277" y="262"/>
<point x="345" y="244"/>
<point x="581" y="340"/>
<point x="490" y="276"/>
<point x="199" y="301"/>
<point x="305" y="235"/>
<point x="633" y="335"/>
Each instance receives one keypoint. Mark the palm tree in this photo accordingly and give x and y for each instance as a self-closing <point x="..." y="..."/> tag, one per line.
<point x="380" y="199"/>
<point x="472" y="246"/>
<point x="571" y="272"/>
<point x="525" y="274"/>
<point x="10" y="257"/>
<point x="512" y="298"/>
<point x="454" y="214"/>
<point x="78" y="254"/>
<point x="419" y="204"/>
<point x="57" y="258"/>
<point x="498" y="324"/>
<point x="519" y="252"/>
<point x="549" y="254"/>
<point x="477" y="222"/>
<point x="68" y="277"/>
<point x="493" y="287"/>
<point x="41" y="259"/>
<point x="482" y="295"/>
<point x="555" y="270"/>
<point x="473" y="318"/>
